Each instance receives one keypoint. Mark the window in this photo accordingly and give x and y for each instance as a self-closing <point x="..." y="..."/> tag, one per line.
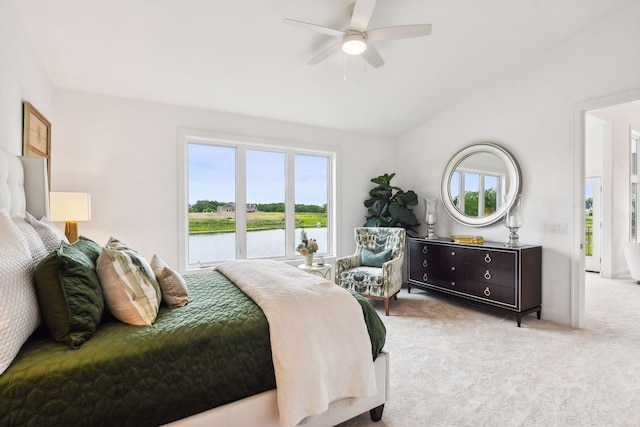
<point x="476" y="194"/>
<point x="251" y="200"/>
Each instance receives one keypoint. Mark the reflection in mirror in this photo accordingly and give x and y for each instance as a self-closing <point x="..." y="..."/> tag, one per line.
<point x="477" y="185"/>
<point x="476" y="181"/>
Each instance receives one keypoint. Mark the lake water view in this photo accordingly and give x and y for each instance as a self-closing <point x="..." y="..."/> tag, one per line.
<point x="213" y="247"/>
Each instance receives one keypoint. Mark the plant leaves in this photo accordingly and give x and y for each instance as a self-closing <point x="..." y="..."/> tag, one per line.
<point x="394" y="210"/>
<point x="383" y="179"/>
<point x="389" y="206"/>
<point x="408" y="217"/>
<point x="380" y="193"/>
<point x="407" y="199"/>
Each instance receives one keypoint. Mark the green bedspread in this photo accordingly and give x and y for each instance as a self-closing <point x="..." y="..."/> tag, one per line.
<point x="213" y="351"/>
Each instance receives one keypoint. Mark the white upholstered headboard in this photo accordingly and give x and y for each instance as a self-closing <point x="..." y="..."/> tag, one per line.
<point x="24" y="185"/>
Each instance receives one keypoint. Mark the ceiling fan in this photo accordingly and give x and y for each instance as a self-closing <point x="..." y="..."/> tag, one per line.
<point x="356" y="40"/>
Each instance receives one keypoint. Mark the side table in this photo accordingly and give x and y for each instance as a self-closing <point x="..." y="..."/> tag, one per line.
<point x="323" y="270"/>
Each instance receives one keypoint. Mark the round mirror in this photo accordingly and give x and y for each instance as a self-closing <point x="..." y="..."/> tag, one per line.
<point x="479" y="184"/>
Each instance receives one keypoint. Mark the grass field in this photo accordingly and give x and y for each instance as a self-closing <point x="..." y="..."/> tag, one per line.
<point x="226" y="222"/>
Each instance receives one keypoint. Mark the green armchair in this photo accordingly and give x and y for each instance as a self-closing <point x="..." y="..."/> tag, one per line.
<point x="375" y="269"/>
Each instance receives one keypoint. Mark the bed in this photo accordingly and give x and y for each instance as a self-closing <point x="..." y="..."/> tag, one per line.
<point x="211" y="362"/>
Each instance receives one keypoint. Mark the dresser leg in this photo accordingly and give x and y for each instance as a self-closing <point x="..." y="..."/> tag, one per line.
<point x="519" y="316"/>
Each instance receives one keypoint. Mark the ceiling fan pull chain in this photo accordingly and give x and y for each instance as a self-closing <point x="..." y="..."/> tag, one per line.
<point x="344" y="67"/>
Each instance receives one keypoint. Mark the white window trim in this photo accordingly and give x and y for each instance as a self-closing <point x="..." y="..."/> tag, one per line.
<point x="185" y="136"/>
<point x="482" y="174"/>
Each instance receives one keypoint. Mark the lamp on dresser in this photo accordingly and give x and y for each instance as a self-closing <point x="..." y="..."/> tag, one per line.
<point x="70" y="208"/>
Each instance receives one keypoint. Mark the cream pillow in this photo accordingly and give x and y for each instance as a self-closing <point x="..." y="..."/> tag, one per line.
<point x="130" y="288"/>
<point x="172" y="285"/>
<point x="19" y="313"/>
<point x="50" y="234"/>
<point x="37" y="248"/>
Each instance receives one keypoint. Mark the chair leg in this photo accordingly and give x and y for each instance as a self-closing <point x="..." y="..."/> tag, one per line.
<point x="386" y="305"/>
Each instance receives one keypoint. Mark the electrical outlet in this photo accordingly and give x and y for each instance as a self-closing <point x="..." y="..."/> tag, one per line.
<point x="559" y="228"/>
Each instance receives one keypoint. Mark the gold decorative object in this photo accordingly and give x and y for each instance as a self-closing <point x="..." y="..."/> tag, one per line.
<point x="472" y="240"/>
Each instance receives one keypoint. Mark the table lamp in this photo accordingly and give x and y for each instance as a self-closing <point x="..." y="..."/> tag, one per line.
<point x="70" y="208"/>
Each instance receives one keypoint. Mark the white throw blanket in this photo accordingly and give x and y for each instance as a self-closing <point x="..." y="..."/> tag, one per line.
<point x="319" y="341"/>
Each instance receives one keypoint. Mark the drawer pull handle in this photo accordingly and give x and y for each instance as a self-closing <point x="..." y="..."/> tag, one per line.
<point x="487" y="275"/>
<point x="425" y="277"/>
<point x="425" y="263"/>
<point x="487" y="291"/>
<point x="453" y="253"/>
<point x="453" y="283"/>
<point x="425" y="250"/>
<point x="453" y="269"/>
<point x="487" y="258"/>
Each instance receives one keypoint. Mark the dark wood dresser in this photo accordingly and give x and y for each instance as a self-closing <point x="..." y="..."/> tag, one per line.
<point x="490" y="274"/>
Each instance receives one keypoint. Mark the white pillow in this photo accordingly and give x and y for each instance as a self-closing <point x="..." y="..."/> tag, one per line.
<point x="130" y="288"/>
<point x="50" y="234"/>
<point x="172" y="284"/>
<point x="38" y="251"/>
<point x="19" y="313"/>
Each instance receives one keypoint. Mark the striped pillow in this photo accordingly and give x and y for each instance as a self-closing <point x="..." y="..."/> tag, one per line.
<point x="130" y="288"/>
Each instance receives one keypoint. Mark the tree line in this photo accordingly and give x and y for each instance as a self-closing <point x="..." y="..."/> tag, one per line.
<point x="212" y="206"/>
<point x="471" y="201"/>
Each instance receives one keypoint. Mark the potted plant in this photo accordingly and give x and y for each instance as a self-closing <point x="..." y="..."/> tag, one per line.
<point x="390" y="206"/>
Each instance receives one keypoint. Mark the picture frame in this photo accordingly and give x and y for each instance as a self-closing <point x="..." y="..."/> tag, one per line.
<point x="36" y="135"/>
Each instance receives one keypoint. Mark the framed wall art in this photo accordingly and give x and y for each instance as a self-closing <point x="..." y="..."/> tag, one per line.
<point x="36" y="135"/>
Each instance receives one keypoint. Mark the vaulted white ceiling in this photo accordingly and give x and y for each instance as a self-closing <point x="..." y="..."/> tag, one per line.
<point x="238" y="56"/>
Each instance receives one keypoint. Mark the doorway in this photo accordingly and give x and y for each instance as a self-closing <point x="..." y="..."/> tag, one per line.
<point x="615" y="212"/>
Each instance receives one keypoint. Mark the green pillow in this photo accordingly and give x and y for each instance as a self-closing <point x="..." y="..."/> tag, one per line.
<point x="375" y="259"/>
<point x="69" y="291"/>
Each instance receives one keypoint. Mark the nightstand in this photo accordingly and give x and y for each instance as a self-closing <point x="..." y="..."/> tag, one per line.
<point x="323" y="270"/>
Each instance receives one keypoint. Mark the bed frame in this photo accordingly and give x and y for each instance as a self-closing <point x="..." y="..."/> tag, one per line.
<point x="262" y="409"/>
<point x="24" y="186"/>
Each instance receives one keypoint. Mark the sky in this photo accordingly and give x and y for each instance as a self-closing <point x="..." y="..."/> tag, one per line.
<point x="212" y="176"/>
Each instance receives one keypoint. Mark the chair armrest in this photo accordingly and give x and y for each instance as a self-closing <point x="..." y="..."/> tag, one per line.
<point x="347" y="263"/>
<point x="392" y="276"/>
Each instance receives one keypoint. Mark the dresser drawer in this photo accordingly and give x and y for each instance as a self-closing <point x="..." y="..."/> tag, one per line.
<point x="445" y="275"/>
<point x="492" y="292"/>
<point x="428" y="262"/>
<point x="490" y="258"/>
<point x="491" y="275"/>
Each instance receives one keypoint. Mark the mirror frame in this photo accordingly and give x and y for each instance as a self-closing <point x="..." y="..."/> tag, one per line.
<point x="514" y="176"/>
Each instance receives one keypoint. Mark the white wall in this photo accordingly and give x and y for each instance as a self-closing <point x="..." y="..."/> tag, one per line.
<point x="22" y="78"/>
<point x="124" y="153"/>
<point x="594" y="145"/>
<point x="532" y="115"/>
<point x="622" y="118"/>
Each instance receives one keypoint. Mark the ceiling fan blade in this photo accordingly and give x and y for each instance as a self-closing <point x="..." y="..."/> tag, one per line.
<point x="372" y="57"/>
<point x="400" y="32"/>
<point x="326" y="53"/>
<point x="313" y="27"/>
<point x="362" y="12"/>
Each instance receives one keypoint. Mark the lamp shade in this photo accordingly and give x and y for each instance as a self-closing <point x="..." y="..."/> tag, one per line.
<point x="65" y="206"/>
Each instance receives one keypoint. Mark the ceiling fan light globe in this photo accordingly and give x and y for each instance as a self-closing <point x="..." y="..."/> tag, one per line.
<point x="353" y="45"/>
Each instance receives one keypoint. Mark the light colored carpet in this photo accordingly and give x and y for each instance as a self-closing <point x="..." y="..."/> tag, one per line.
<point x="454" y="365"/>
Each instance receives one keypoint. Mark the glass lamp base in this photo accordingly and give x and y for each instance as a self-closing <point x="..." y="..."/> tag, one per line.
<point x="513" y="238"/>
<point x="431" y="234"/>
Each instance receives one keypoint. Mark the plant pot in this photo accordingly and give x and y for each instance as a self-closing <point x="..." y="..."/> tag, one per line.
<point x="308" y="260"/>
